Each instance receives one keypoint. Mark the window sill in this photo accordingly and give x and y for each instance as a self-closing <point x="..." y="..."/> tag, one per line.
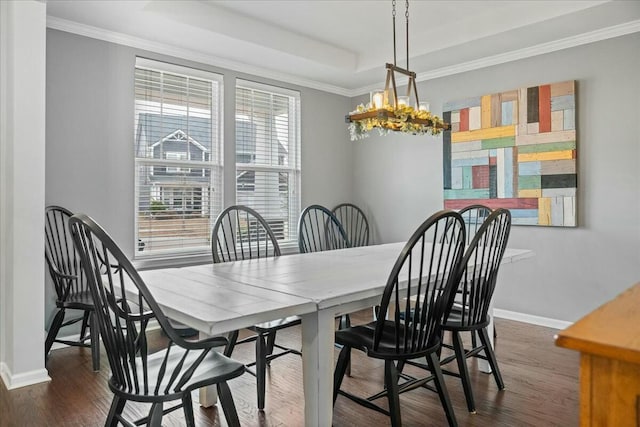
<point x="175" y="261"/>
<point x="172" y="261"/>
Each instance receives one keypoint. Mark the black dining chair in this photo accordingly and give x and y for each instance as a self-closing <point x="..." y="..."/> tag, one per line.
<point x="470" y="310"/>
<point x="421" y="286"/>
<point x="124" y="309"/>
<point x="70" y="283"/>
<point x="354" y="222"/>
<point x="481" y="264"/>
<point x="242" y="233"/>
<point x="319" y="230"/>
<point x="474" y="216"/>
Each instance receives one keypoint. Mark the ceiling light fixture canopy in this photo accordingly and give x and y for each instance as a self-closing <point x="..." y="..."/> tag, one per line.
<point x="387" y="111"/>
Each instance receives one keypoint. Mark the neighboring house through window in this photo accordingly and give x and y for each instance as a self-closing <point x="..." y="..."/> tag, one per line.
<point x="178" y="158"/>
<point x="268" y="155"/>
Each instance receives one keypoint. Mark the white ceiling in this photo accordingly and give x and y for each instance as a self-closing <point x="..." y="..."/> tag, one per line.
<point x="342" y="46"/>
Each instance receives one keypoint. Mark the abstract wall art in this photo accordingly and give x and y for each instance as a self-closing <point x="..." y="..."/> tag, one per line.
<point x="515" y="150"/>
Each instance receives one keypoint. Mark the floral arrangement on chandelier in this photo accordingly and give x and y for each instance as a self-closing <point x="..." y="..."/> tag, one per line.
<point x="403" y="118"/>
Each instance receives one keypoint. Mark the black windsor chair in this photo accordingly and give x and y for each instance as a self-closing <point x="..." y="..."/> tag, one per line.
<point x="354" y="222"/>
<point x="70" y="283"/>
<point x="421" y="285"/>
<point x="474" y="216"/>
<point x="124" y="308"/>
<point x="319" y="230"/>
<point x="477" y="284"/>
<point x="242" y="233"/>
<point x="469" y="312"/>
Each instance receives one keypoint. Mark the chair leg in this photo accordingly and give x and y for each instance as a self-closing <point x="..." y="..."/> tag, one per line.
<point x="117" y="406"/>
<point x="232" y="338"/>
<point x="261" y="368"/>
<point x="187" y="406"/>
<point x="53" y="331"/>
<point x="491" y="357"/>
<point x="393" y="395"/>
<point x="438" y="379"/>
<point x="461" y="358"/>
<point x="85" y="324"/>
<point x="344" y="359"/>
<point x="345" y="322"/>
<point x="228" y="407"/>
<point x="271" y="340"/>
<point x="155" y="415"/>
<point x="95" y="341"/>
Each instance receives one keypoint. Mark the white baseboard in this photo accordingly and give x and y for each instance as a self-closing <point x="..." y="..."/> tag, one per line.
<point x="530" y="318"/>
<point x="21" y="380"/>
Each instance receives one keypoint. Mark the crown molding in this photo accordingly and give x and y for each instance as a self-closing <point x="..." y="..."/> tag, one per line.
<point x="162" y="48"/>
<point x="166" y="49"/>
<point x="528" y="52"/>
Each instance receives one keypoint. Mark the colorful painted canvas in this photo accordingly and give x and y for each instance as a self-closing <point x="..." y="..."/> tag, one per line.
<point x="515" y="150"/>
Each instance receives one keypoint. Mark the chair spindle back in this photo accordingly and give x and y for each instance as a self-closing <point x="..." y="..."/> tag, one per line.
<point x="242" y="233"/>
<point x="421" y="285"/>
<point x="319" y="230"/>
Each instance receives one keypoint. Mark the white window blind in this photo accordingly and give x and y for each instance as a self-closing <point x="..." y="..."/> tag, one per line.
<point x="178" y="158"/>
<point x="268" y="155"/>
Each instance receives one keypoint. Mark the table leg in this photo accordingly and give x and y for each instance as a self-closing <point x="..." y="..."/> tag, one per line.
<point x="317" y="360"/>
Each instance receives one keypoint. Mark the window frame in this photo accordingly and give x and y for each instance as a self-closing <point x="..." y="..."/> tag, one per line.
<point x="294" y="167"/>
<point x="214" y="163"/>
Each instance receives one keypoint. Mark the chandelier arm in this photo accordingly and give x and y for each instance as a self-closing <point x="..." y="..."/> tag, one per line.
<point x="395" y="91"/>
<point x="386" y="85"/>
<point x="415" y="89"/>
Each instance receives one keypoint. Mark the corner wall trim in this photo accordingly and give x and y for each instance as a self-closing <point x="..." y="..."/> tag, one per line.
<point x="532" y="319"/>
<point x="22" y="380"/>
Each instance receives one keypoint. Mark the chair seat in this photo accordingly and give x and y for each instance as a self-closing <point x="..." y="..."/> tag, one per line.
<point x="362" y="336"/>
<point x="213" y="369"/>
<point x="275" y="325"/>
<point x="80" y="301"/>
<point x="454" y="321"/>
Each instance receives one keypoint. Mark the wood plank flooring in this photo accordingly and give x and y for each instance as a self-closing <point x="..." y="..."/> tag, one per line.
<point x="541" y="390"/>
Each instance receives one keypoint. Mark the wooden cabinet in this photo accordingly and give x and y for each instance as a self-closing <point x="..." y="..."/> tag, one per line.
<point x="608" y="340"/>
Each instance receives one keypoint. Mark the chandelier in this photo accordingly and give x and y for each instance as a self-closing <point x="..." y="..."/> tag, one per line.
<point x="387" y="111"/>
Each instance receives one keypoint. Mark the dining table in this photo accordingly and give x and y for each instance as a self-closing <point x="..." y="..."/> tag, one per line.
<point x="318" y="287"/>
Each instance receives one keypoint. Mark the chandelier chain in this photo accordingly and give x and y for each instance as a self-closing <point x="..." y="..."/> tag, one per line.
<point x="393" y="17"/>
<point x="406" y="15"/>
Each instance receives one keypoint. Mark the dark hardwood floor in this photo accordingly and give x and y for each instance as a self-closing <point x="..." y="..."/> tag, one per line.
<point x="541" y="390"/>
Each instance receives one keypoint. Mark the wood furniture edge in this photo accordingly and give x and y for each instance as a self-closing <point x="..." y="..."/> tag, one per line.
<point x="574" y="337"/>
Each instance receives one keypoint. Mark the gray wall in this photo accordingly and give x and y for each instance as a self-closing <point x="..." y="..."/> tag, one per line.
<point x="398" y="179"/>
<point x="90" y="130"/>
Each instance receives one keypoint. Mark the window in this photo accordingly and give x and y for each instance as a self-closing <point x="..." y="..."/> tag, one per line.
<point x="268" y="155"/>
<point x="178" y="158"/>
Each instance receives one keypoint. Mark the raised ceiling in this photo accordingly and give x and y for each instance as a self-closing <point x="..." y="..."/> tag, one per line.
<point x="341" y="46"/>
